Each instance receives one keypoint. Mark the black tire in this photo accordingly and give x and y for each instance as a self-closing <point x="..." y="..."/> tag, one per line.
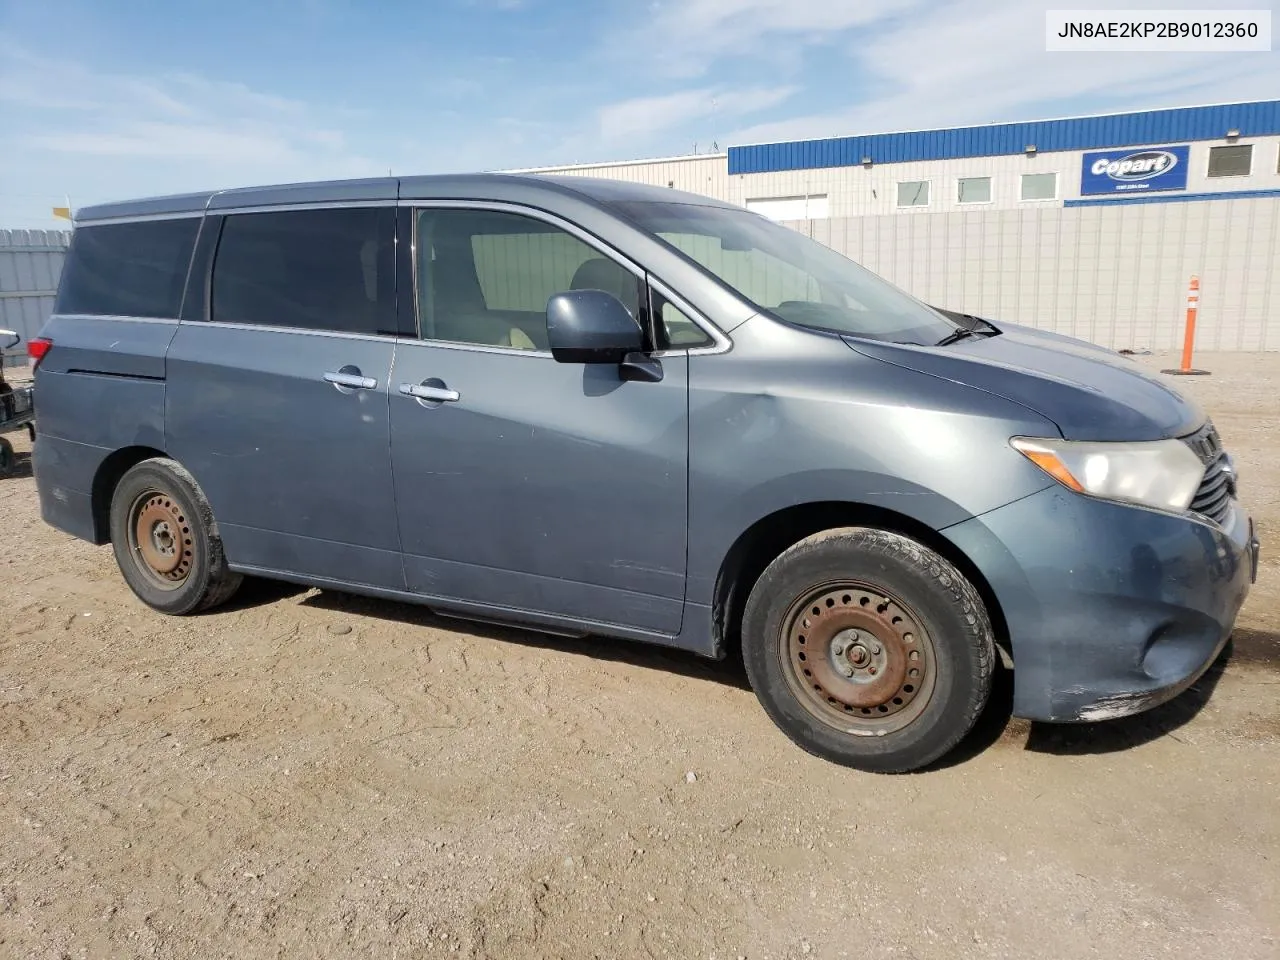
<point x="868" y="649"/>
<point x="8" y="459"/>
<point x="165" y="540"/>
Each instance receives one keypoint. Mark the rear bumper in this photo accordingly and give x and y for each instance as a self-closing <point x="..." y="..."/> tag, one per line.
<point x="1111" y="610"/>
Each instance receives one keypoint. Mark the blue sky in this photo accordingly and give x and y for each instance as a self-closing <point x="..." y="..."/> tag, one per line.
<point x="104" y="100"/>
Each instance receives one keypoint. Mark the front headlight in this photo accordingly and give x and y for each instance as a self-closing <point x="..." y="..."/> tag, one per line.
<point x="1164" y="474"/>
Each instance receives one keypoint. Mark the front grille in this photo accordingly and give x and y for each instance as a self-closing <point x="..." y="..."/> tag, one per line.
<point x="1218" y="488"/>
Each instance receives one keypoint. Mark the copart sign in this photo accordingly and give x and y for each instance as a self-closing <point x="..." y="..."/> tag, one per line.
<point x="1132" y="169"/>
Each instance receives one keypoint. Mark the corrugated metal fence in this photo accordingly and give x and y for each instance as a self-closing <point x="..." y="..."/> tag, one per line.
<point x="30" y="264"/>
<point x="1116" y="275"/>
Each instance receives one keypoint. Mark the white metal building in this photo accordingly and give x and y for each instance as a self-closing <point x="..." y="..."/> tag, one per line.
<point x="1091" y="226"/>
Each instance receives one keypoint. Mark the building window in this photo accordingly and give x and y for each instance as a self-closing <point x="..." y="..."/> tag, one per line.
<point x="973" y="190"/>
<point x="1039" y="186"/>
<point x="1233" y="161"/>
<point x="813" y="207"/>
<point x="913" y="193"/>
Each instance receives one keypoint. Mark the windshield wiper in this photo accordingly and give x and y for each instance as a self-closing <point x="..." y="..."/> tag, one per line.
<point x="959" y="333"/>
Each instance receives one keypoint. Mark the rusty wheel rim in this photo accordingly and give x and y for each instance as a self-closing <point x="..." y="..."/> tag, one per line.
<point x="160" y="539"/>
<point x="858" y="658"/>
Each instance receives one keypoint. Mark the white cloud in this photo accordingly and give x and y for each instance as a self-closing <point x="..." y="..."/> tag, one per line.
<point x="687" y="37"/>
<point x="150" y="139"/>
<point x="102" y="135"/>
<point x="642" y="118"/>
<point x="979" y="61"/>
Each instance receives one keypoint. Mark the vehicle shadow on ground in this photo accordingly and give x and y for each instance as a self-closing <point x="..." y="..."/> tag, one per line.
<point x="1256" y="648"/>
<point x="995" y="724"/>
<point x="257" y="592"/>
<point x="20" y="469"/>
<point x="729" y="671"/>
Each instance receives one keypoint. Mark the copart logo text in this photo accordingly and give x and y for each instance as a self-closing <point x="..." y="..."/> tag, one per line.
<point x="1136" y="166"/>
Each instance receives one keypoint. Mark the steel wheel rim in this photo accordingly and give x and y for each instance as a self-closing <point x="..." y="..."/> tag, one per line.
<point x="857" y="658"/>
<point x="161" y="542"/>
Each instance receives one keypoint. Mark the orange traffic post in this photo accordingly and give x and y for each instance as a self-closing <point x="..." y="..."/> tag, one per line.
<point x="1189" y="334"/>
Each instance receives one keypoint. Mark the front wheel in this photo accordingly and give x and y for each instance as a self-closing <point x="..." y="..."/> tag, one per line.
<point x="868" y="649"/>
<point x="165" y="541"/>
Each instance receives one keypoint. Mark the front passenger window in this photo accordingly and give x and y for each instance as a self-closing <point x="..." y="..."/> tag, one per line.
<point x="484" y="277"/>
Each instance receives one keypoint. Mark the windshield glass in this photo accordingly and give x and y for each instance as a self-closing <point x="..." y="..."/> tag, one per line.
<point x="788" y="274"/>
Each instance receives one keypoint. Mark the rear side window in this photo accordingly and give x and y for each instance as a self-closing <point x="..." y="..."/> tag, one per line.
<point x="128" y="269"/>
<point x="330" y="270"/>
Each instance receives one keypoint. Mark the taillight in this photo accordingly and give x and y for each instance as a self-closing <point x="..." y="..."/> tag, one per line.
<point x="37" y="347"/>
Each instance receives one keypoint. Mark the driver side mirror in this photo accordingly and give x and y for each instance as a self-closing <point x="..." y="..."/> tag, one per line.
<point x="591" y="326"/>
<point x="8" y="338"/>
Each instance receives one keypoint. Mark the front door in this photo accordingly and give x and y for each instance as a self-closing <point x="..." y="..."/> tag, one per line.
<point x="277" y="392"/>
<point x="524" y="484"/>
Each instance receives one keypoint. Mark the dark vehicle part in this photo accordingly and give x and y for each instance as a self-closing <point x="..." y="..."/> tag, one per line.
<point x="16" y="407"/>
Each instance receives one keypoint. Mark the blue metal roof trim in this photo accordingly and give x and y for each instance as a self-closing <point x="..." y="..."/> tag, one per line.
<point x="997" y="139"/>
<point x="1170" y="198"/>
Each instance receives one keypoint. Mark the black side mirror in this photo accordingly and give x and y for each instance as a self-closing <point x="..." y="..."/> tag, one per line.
<point x="591" y="326"/>
<point x="8" y="338"/>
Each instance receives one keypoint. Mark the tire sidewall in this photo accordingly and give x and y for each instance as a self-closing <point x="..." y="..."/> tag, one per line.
<point x="958" y="628"/>
<point x="151" y="475"/>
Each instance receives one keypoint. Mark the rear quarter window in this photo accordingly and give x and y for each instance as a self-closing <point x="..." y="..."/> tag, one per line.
<point x="128" y="269"/>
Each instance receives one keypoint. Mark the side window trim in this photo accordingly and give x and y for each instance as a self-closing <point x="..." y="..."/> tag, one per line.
<point x="720" y="342"/>
<point x="406" y="285"/>
<point x="195" y="299"/>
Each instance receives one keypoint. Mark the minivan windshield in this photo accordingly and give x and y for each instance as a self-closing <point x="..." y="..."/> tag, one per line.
<point x="788" y="274"/>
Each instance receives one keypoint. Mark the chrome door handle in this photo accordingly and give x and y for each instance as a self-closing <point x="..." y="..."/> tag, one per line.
<point x="421" y="392"/>
<point x="354" y="381"/>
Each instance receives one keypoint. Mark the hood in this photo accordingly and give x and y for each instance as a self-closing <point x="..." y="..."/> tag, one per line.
<point x="1089" y="392"/>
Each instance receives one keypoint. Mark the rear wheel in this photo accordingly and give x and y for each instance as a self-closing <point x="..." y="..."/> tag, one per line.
<point x="165" y="541"/>
<point x="868" y="649"/>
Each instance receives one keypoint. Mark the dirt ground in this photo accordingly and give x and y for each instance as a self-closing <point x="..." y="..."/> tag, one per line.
<point x="309" y="774"/>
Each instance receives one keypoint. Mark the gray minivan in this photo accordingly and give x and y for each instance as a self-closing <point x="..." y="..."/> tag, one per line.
<point x="598" y="408"/>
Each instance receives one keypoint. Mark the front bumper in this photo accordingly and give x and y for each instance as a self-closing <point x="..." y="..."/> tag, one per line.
<point x="1110" y="610"/>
